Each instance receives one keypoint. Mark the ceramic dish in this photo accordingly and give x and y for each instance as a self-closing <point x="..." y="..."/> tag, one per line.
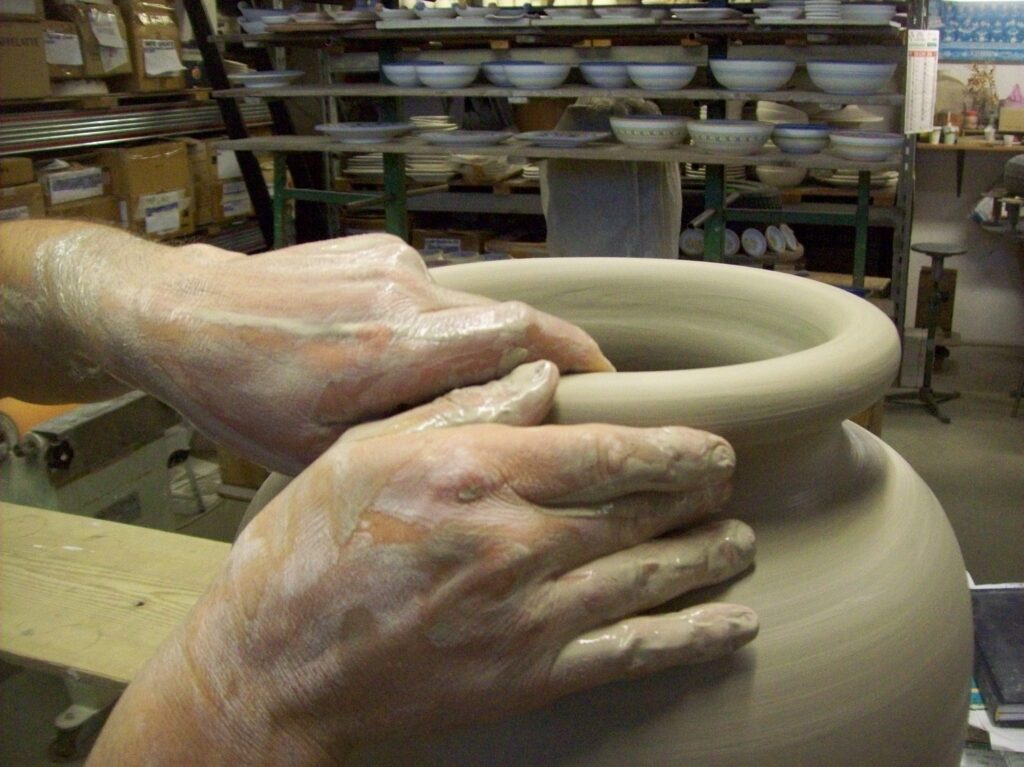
<point x="790" y="237"/>
<point x="364" y="132"/>
<point x="350" y="17"/>
<point x="850" y="78"/>
<point x="530" y="75"/>
<point x="779" y="177"/>
<point x="465" y="137"/>
<point x="732" y="243"/>
<point x="261" y="14"/>
<point x="401" y="73"/>
<point x="786" y="13"/>
<point x="661" y="77"/>
<point x="560" y="138"/>
<point x="705" y="15"/>
<point x="273" y="21"/>
<point x="495" y="72"/>
<point x="691" y="242"/>
<point x="605" y="74"/>
<point x="435" y="75"/>
<point x="867" y="146"/>
<point x="621" y="11"/>
<point x="800" y="138"/>
<point x="752" y="75"/>
<point x="252" y="27"/>
<point x="775" y="239"/>
<point x="729" y="136"/>
<point x="272" y="79"/>
<point x="753" y="242"/>
<point x="396" y="14"/>
<point x="650" y="131"/>
<point x="434" y="13"/>
<point x="512" y="14"/>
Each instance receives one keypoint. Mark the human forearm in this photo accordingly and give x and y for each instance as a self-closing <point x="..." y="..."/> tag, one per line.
<point x="65" y="288"/>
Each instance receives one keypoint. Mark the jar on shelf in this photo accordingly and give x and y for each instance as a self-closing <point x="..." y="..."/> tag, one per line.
<point x="970" y="120"/>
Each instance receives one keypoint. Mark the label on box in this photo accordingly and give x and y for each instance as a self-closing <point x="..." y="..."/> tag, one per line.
<point x="106" y="29"/>
<point x="235" y="199"/>
<point x="161" y="58"/>
<point x="14" y="214"/>
<point x="63" y="49"/>
<point x="442" y="245"/>
<point x="18" y="7"/>
<point x="161" y="212"/>
<point x="227" y="165"/>
<point x="112" y="58"/>
<point x="78" y="184"/>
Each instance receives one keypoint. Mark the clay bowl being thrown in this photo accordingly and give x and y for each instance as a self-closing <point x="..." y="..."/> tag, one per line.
<point x="800" y="138"/>
<point x="730" y="136"/>
<point x="752" y="75"/>
<point x="606" y="74"/>
<point x="532" y="75"/>
<point x="437" y="75"/>
<point x="850" y="78"/>
<point x="650" y="131"/>
<point x="865" y="146"/>
<point x="661" y="77"/>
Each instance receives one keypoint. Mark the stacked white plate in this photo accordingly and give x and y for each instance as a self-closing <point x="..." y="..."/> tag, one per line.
<point x="823" y="10"/>
<point x="431" y="168"/>
<point x="433" y="123"/>
<point x="732" y="172"/>
<point x="532" y="172"/>
<point x="365" y="167"/>
<point x="776" y="113"/>
<point x="849" y="178"/>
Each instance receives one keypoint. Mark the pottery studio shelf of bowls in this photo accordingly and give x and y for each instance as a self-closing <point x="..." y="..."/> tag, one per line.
<point x="402" y="77"/>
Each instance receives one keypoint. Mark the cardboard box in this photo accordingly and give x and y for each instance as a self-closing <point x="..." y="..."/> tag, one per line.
<point x="23" y="70"/>
<point x="155" y="44"/>
<point x="103" y="36"/>
<point x="15" y="171"/>
<point x="21" y="10"/>
<point x="25" y="201"/>
<point x="924" y="290"/>
<point x="1011" y="119"/>
<point x="63" y="50"/>
<point x="429" y="241"/>
<point x="67" y="182"/>
<point x="104" y="209"/>
<point x="230" y="200"/>
<point x="153" y="185"/>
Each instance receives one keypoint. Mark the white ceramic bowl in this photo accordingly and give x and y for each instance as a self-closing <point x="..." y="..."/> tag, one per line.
<point x="530" y="75"/>
<point x="650" y="131"/>
<point x="781" y="178"/>
<point x="431" y="12"/>
<point x="273" y="21"/>
<point x="760" y="75"/>
<point x="730" y="136"/>
<point x="850" y="78"/>
<point x="494" y="71"/>
<point x="867" y="146"/>
<point x="252" y="27"/>
<point x="800" y="138"/>
<point x="364" y="132"/>
<point x="447" y="75"/>
<point x="606" y="74"/>
<point x="274" y="78"/>
<point x="401" y="73"/>
<point x="661" y="77"/>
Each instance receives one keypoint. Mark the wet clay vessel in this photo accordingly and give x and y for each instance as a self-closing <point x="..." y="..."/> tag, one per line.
<point x="865" y="648"/>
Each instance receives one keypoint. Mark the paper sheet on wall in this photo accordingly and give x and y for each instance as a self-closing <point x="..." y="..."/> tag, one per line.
<point x="922" y="80"/>
<point x="160" y="58"/>
<point x="63" y="49"/>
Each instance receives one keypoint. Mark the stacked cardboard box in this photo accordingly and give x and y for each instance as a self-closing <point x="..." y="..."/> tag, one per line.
<point x="221" y="194"/>
<point x="153" y="186"/>
<point x="155" y="44"/>
<point x="21" y="196"/>
<point x="23" y="70"/>
<point x="102" y="35"/>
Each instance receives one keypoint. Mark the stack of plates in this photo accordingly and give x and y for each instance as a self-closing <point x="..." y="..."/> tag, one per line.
<point x="786" y="4"/>
<point x="823" y="10"/>
<point x="848" y="178"/>
<point x="365" y="167"/>
<point x="432" y="123"/>
<point x="481" y="169"/>
<point x="531" y="172"/>
<point x="732" y="172"/>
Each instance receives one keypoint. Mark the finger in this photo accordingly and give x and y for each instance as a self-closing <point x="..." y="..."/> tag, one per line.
<point x="640" y="646"/>
<point x="650" y="574"/>
<point x="594" y="463"/>
<point x="521" y="398"/>
<point x="491" y="339"/>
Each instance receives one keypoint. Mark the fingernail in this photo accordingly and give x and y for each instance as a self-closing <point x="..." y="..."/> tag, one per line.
<point x="512" y="358"/>
<point x="736" y="622"/>
<point x="529" y="373"/>
<point x="722" y="457"/>
<point x="734" y="550"/>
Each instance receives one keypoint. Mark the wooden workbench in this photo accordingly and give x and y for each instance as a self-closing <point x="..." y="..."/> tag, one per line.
<point x="94" y="598"/>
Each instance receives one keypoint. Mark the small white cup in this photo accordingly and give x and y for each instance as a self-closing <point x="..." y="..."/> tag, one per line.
<point x="1008" y="140"/>
<point x="936" y="137"/>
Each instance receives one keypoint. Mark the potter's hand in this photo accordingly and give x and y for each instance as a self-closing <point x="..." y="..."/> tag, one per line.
<point x="274" y="355"/>
<point x="426" y="578"/>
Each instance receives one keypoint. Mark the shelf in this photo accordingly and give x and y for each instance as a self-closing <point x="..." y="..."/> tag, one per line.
<point x="381" y="90"/>
<point x="34" y="132"/>
<point x="612" y="152"/>
<point x="971" y="146"/>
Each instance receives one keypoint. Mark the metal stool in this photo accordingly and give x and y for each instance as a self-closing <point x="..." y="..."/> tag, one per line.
<point x="925" y="395"/>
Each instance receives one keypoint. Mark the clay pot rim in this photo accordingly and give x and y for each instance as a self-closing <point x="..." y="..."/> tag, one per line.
<point x="848" y="368"/>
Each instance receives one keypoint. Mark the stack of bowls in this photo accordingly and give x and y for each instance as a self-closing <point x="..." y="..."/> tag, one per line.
<point x="495" y="73"/>
<point x="606" y="74"/>
<point x="650" y="131"/>
<point x="533" y="75"/>
<point x="850" y="78"/>
<point x="760" y="75"/>
<point x="730" y="136"/>
<point x="437" y="75"/>
<point x="865" y="146"/>
<point x="661" y="77"/>
<point x="800" y="138"/>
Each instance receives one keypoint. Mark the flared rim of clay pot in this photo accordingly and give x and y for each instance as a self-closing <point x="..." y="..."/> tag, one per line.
<point x="768" y="356"/>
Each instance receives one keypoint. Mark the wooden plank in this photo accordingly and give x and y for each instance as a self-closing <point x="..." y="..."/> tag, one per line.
<point x="94" y="597"/>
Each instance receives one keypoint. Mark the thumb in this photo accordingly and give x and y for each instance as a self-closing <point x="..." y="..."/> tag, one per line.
<point x="522" y="398"/>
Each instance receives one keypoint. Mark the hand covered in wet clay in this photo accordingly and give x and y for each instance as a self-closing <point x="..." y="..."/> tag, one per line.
<point x="278" y="354"/>
<point x="414" y="578"/>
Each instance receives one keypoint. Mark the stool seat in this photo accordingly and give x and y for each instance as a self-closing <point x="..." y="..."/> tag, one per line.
<point x="938" y="249"/>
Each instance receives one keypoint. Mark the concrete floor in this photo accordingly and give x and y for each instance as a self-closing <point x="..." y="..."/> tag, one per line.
<point x="975" y="466"/>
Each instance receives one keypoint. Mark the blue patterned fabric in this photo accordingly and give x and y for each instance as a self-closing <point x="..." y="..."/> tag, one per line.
<point x="981" y="31"/>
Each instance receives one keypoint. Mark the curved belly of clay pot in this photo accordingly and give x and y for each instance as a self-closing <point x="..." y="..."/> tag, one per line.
<point x="865" y="649"/>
